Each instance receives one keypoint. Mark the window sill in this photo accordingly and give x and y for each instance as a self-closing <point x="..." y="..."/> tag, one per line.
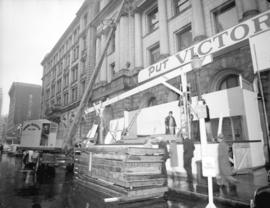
<point x="175" y="15"/>
<point x="150" y="32"/>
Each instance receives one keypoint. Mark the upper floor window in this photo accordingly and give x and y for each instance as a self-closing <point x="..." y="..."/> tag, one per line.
<point x="47" y="93"/>
<point x="225" y="16"/>
<point x="85" y="17"/>
<point x="152" y="18"/>
<point x="59" y="83"/>
<point x="74" y="93"/>
<point x="66" y="79"/>
<point x="53" y="89"/>
<point x="111" y="48"/>
<point x="82" y="87"/>
<point x="84" y="42"/>
<point x="154" y="53"/>
<point x="58" y="100"/>
<point x="67" y="59"/>
<point x="184" y="38"/>
<point x="180" y="6"/>
<point x="74" y="73"/>
<point x="229" y="82"/>
<point x="75" y="53"/>
<point x="66" y="98"/>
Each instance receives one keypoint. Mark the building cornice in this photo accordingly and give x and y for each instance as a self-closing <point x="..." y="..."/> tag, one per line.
<point x="110" y="7"/>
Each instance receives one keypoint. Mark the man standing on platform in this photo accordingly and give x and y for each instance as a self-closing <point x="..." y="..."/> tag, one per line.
<point x="189" y="148"/>
<point x="170" y="124"/>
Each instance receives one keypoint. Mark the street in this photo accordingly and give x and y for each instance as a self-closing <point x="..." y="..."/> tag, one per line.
<point x="61" y="191"/>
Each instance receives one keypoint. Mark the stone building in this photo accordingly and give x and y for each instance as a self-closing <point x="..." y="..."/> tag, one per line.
<point x="148" y="34"/>
<point x="68" y="67"/>
<point x="151" y="30"/>
<point x="24" y="105"/>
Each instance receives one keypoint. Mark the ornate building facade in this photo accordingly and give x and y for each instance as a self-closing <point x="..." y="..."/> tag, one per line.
<point x="150" y="31"/>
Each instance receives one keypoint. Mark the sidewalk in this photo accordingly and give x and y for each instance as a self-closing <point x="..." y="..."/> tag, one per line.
<point x="240" y="197"/>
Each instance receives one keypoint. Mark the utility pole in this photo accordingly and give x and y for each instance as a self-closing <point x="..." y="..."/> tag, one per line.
<point x="89" y="88"/>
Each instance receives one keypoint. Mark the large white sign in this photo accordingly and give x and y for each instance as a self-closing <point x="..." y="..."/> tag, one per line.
<point x="227" y="38"/>
<point x="260" y="51"/>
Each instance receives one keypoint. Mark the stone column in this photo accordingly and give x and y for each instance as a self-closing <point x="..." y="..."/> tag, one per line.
<point x="103" y="72"/>
<point x="163" y="28"/>
<point x="138" y="41"/>
<point x="250" y="8"/>
<point x="97" y="49"/>
<point x="124" y="41"/>
<point x="131" y="42"/>
<point x="198" y="23"/>
<point x="117" y="49"/>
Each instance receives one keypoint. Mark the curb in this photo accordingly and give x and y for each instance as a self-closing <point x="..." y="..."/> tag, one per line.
<point x="219" y="200"/>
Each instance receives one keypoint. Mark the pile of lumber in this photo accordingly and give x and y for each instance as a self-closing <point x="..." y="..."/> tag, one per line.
<point x="130" y="172"/>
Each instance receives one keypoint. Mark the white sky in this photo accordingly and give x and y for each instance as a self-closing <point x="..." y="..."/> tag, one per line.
<point x="28" y="30"/>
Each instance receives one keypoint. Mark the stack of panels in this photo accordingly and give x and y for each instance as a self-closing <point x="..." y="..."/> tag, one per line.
<point x="130" y="171"/>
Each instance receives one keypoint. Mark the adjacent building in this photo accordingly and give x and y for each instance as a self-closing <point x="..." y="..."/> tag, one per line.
<point x="164" y="35"/>
<point x="1" y="119"/>
<point x="67" y="68"/>
<point x="25" y="100"/>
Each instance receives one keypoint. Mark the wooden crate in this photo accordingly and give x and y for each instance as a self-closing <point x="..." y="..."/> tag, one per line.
<point x="132" y="171"/>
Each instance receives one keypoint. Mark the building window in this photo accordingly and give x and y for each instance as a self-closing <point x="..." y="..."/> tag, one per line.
<point x="75" y="53"/>
<point x="111" y="48"/>
<point x="82" y="87"/>
<point x="47" y="93"/>
<point x="84" y="42"/>
<point x="66" y="79"/>
<point x="154" y="53"/>
<point x="184" y="38"/>
<point x="67" y="59"/>
<point x="112" y="68"/>
<point x="60" y="67"/>
<point x="85" y="17"/>
<point x="66" y="98"/>
<point x="74" y="93"/>
<point x="225" y="16"/>
<point x="75" y="73"/>
<point x="83" y="65"/>
<point x="54" y="72"/>
<point x="152" y="18"/>
<point x="181" y="6"/>
<point x="53" y="89"/>
<point x="59" y="83"/>
<point x="229" y="82"/>
<point x="58" y="100"/>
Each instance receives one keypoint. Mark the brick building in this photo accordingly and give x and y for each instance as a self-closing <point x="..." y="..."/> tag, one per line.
<point x="24" y="105"/>
<point x="148" y="33"/>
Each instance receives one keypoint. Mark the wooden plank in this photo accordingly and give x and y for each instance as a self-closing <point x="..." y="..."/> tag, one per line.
<point x="125" y="150"/>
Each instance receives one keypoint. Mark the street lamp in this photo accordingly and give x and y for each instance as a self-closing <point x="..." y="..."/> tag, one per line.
<point x="196" y="64"/>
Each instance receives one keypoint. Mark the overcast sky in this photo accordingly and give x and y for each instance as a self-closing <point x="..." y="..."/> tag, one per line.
<point x="28" y="30"/>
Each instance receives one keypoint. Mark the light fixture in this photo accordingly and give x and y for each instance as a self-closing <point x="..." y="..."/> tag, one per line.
<point x="196" y="62"/>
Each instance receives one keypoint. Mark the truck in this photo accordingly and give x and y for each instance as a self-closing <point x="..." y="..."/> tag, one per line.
<point x="40" y="136"/>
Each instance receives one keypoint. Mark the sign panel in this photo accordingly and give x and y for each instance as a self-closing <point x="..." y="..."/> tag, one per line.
<point x="209" y="160"/>
<point x="224" y="39"/>
<point x="260" y="51"/>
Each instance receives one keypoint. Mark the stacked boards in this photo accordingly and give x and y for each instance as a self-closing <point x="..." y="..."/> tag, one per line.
<point x="128" y="172"/>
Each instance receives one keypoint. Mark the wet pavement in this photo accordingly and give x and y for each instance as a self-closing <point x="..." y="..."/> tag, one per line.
<point x="61" y="191"/>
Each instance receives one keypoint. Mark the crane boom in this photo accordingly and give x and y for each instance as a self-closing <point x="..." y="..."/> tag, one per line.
<point x="89" y="88"/>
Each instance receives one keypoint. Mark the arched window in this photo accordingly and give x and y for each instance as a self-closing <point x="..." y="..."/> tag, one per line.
<point x="229" y="81"/>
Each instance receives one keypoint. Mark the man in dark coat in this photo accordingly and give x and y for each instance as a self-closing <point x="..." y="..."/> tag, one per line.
<point x="188" y="147"/>
<point x="170" y="124"/>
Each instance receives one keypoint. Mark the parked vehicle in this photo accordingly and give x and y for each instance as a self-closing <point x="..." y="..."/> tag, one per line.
<point x="262" y="196"/>
<point x="40" y="136"/>
<point x="14" y="150"/>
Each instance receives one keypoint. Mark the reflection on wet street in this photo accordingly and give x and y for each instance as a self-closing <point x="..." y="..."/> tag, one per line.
<point x="60" y="191"/>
